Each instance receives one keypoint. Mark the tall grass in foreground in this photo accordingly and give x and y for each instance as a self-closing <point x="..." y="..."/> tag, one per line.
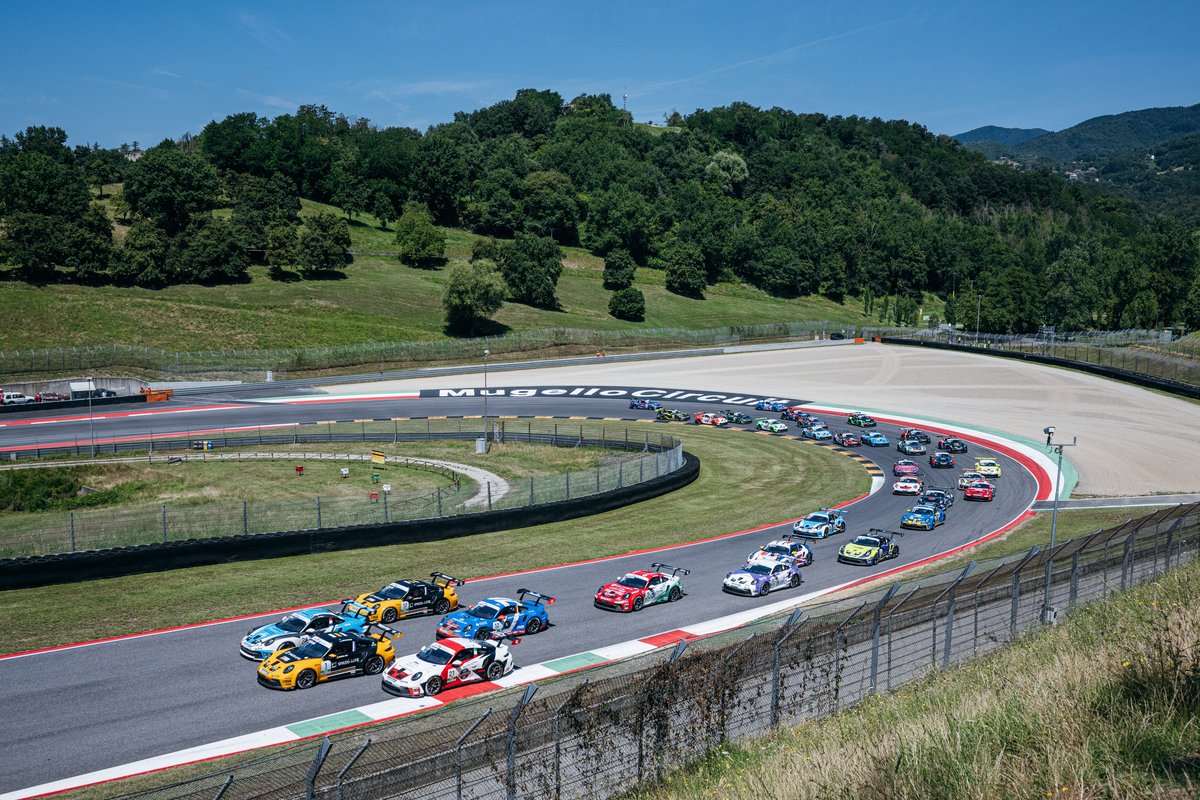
<point x="1104" y="705"/>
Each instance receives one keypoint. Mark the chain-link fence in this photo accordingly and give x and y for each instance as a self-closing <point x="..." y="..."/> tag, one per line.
<point x="253" y="365"/>
<point x="643" y="457"/>
<point x="1152" y="353"/>
<point x="598" y="732"/>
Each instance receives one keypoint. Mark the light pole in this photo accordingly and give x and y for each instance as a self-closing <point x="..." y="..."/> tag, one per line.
<point x="1050" y="445"/>
<point x="487" y="444"/>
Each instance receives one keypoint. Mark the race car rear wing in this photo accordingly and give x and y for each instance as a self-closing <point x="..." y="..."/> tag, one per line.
<point x="674" y="570"/>
<point x="898" y="534"/>
<point x="390" y="633"/>
<point x="442" y="579"/>
<point x="537" y="598"/>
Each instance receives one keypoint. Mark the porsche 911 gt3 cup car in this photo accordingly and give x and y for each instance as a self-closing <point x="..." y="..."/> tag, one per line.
<point x="772" y="425"/>
<point x="861" y="420"/>
<point x="941" y="498"/>
<point x="642" y="588"/>
<point x="923" y="517"/>
<point x="967" y="478"/>
<point x="905" y="466"/>
<point x="847" y="439"/>
<point x="327" y="656"/>
<point x="499" y="616"/>
<point x="987" y="467"/>
<point x="952" y="444"/>
<point x="261" y="642"/>
<point x="770" y="405"/>
<point x="813" y="432"/>
<point x="868" y="550"/>
<point x="648" y="405"/>
<point x="913" y="433"/>
<point x="759" y="577"/>
<point x="737" y="417"/>
<point x="786" y="549"/>
<point x="406" y="599"/>
<point x="671" y="414"/>
<point x="875" y="439"/>
<point x="709" y="418"/>
<point x="910" y="447"/>
<point x="941" y="460"/>
<point x="448" y="663"/>
<point x="979" y="490"/>
<point x="819" y="524"/>
<point x="908" y="485"/>
<point x="795" y="414"/>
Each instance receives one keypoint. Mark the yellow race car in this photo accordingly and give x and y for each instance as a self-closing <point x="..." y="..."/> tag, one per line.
<point x="327" y="656"/>
<point x="987" y="467"/>
<point x="406" y="599"/>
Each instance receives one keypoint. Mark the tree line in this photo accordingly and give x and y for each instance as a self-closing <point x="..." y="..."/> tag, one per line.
<point x="866" y="210"/>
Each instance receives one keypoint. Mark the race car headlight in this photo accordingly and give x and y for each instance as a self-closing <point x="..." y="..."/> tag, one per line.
<point x="289" y="669"/>
<point x="600" y="590"/>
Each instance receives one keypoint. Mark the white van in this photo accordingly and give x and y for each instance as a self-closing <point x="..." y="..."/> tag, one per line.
<point x="15" y="399"/>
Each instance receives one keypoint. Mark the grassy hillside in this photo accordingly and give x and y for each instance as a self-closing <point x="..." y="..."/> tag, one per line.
<point x="1113" y="134"/>
<point x="376" y="299"/>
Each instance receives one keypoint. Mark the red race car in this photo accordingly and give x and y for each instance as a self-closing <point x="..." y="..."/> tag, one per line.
<point x="643" y="587"/>
<point x="847" y="439"/>
<point x="979" y="490"/>
<point x="905" y="466"/>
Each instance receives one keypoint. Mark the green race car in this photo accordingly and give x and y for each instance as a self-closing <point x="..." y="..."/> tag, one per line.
<point x="671" y="414"/>
<point x="772" y="425"/>
<point x="868" y="550"/>
<point x="737" y="417"/>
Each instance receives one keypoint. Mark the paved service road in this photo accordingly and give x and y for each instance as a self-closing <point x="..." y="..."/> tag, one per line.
<point x="119" y="702"/>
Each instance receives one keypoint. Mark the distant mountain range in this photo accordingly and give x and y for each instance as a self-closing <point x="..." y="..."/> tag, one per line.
<point x="1110" y="135"/>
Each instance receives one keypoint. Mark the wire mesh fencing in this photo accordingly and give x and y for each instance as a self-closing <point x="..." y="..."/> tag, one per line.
<point x="599" y="732"/>
<point x="253" y="365"/>
<point x="640" y="457"/>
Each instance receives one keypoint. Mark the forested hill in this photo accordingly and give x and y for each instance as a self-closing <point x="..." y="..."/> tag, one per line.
<point x="864" y="210"/>
<point x="1004" y="136"/>
<point x="1163" y="179"/>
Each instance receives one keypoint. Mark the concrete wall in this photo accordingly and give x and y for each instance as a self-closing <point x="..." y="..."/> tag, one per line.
<point x="122" y="386"/>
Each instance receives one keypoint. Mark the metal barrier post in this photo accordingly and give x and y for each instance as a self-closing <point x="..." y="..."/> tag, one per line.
<point x="350" y="764"/>
<point x="439" y="499"/>
<point x="950" y="618"/>
<point x="1016" y="589"/>
<point x="489" y="494"/>
<point x="875" y="623"/>
<point x="975" y="636"/>
<point x="724" y="671"/>
<point x="530" y="490"/>
<point x="895" y="608"/>
<point x="511" y="782"/>
<point x="558" y="742"/>
<point x="318" y="762"/>
<point x="458" y="754"/>
<point x="224" y="786"/>
<point x="1127" y="560"/>
<point x="791" y="626"/>
<point x="245" y="519"/>
<point x="950" y="609"/>
<point x="72" y="531"/>
<point x="1049" y="615"/>
<point x="641" y="723"/>
<point x="837" y="670"/>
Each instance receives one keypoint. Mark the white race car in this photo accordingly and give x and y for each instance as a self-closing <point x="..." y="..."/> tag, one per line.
<point x="967" y="478"/>
<point x="908" y="485"/>
<point x="447" y="663"/>
<point x="987" y="467"/>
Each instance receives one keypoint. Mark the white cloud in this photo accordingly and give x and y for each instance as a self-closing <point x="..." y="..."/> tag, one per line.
<point x="158" y="71"/>
<point x="266" y="33"/>
<point x="272" y="100"/>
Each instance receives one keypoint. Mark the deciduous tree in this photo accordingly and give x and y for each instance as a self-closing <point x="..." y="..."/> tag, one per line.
<point x="531" y="266"/>
<point x="169" y="187"/>
<point x="417" y="238"/>
<point x="628" y="303"/>
<point x="474" y="290"/>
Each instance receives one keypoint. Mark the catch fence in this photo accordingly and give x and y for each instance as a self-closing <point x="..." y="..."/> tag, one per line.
<point x="1150" y="353"/>
<point x="643" y="458"/>
<point x="599" y="732"/>
<point x="253" y="365"/>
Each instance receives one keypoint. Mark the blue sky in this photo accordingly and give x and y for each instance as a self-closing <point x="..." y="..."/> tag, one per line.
<point x="145" y="71"/>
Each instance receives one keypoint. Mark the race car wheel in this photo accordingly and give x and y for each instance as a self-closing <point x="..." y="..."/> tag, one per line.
<point x="533" y="626"/>
<point x="285" y="646"/>
<point x="794" y="582"/>
<point x="442" y="607"/>
<point x="389" y="615"/>
<point x="482" y="634"/>
<point x="874" y="559"/>
<point x="765" y="590"/>
<point x="374" y="665"/>
<point x="675" y="594"/>
<point x="638" y="602"/>
<point x="433" y="686"/>
<point x="495" y="671"/>
<point x="306" y="679"/>
<point x="896" y="553"/>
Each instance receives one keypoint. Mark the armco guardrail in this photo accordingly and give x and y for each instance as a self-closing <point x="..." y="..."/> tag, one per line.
<point x="253" y="365"/>
<point x="600" y="732"/>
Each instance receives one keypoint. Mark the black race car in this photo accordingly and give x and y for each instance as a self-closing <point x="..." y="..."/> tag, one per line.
<point x="861" y="420"/>
<point x="941" y="459"/>
<point x="913" y="433"/>
<point x="406" y="598"/>
<point x="737" y="417"/>
<point x="936" y="497"/>
<point x="952" y="444"/>
<point x="671" y="414"/>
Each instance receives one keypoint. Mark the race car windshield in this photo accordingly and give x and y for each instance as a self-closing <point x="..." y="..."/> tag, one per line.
<point x="435" y="655"/>
<point x="313" y="648"/>
<point x="292" y="624"/>
<point x="759" y="569"/>
<point x="866" y="541"/>
<point x="817" y="518"/>
<point x="981" y="485"/>
<point x="483" y="611"/>
<point x="777" y="550"/>
<point x="922" y="510"/>
<point x="393" y="592"/>
<point x="633" y="582"/>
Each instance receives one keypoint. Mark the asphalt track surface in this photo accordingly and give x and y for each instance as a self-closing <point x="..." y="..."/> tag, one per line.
<point x="117" y="702"/>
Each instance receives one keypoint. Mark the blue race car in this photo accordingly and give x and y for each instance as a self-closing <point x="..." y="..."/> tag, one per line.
<point x="941" y="459"/>
<point x="650" y="405"/>
<point x="819" y="524"/>
<point x="760" y="576"/>
<point x="923" y="517"/>
<point x="770" y="405"/>
<point x="816" y="433"/>
<point x="266" y="640"/>
<point x="937" y="497"/>
<point x="498" y="616"/>
<point x="875" y="439"/>
<point x="783" y="550"/>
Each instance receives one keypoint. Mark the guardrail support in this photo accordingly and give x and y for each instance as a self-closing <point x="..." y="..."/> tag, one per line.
<point x="349" y="764"/>
<point x="315" y="769"/>
<point x="837" y="670"/>
<point x="458" y="754"/>
<point x="1127" y="560"/>
<point x="1016" y="589"/>
<point x="895" y="608"/>
<point x="791" y="626"/>
<point x="224" y="787"/>
<point x="876" y="620"/>
<point x="511" y="781"/>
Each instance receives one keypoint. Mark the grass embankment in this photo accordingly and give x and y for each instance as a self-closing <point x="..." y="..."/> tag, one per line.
<point x="745" y="481"/>
<point x="1102" y="705"/>
<point x="375" y="299"/>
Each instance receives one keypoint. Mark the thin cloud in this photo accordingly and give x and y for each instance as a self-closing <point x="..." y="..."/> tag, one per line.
<point x="389" y="93"/>
<point x="268" y="34"/>
<point x="158" y="71"/>
<point x="159" y="93"/>
<point x="272" y="100"/>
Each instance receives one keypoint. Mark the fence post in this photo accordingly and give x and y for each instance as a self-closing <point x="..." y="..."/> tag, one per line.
<point x="1127" y="560"/>
<point x="224" y="786"/>
<point x="530" y="490"/>
<point x="950" y="617"/>
<point x="458" y="754"/>
<point x="318" y="762"/>
<point x="1047" y="615"/>
<point x="949" y="610"/>
<point x="350" y="764"/>
<point x="318" y="512"/>
<point x="164" y="520"/>
<point x="793" y="624"/>
<point x="597" y="479"/>
<point x="72" y="531"/>
<point x="511" y="782"/>
<point x="245" y="519"/>
<point x="1016" y="589"/>
<point x="876" y="619"/>
<point x="895" y="608"/>
<point x="439" y="496"/>
<point x="975" y="635"/>
<point x="568" y="477"/>
<point x="837" y="671"/>
<point x="558" y="742"/>
<point x="489" y="494"/>
<point x="620" y="464"/>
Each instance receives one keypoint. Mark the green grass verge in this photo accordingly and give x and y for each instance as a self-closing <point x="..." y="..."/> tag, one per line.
<point x="745" y="481"/>
<point x="1102" y="705"/>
